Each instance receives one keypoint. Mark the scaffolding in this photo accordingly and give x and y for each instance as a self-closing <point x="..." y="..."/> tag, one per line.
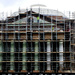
<point x="47" y="46"/>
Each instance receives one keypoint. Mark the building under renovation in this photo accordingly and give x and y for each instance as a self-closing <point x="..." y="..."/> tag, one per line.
<point x="38" y="41"/>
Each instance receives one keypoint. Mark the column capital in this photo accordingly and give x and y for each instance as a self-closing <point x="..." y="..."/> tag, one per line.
<point x="36" y="42"/>
<point x="0" y="40"/>
<point x="24" y="40"/>
<point x="61" y="40"/>
<point x="48" y="40"/>
<point x="12" y="40"/>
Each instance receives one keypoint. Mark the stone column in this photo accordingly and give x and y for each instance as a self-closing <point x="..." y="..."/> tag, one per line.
<point x="48" y="56"/>
<point x="24" y="67"/>
<point x="12" y="57"/>
<point x="36" y="58"/>
<point x="61" y="54"/>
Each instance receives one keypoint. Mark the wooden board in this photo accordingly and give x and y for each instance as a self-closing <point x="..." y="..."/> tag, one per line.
<point x="11" y="36"/>
<point x="1" y="71"/>
<point x="35" y="36"/>
<point x="47" y="36"/>
<point x="49" y="71"/>
<point x="11" y="71"/>
<point x="35" y="71"/>
<point x="60" y="36"/>
<point x="23" y="36"/>
<point x="23" y="71"/>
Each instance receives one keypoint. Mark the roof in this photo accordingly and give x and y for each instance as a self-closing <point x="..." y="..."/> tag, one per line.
<point x="49" y="15"/>
<point x="43" y="11"/>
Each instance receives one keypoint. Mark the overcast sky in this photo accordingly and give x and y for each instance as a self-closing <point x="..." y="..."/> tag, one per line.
<point x="13" y="5"/>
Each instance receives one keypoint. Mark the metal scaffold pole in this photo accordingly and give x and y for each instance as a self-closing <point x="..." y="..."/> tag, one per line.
<point x="37" y="41"/>
<point x="1" y="45"/>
